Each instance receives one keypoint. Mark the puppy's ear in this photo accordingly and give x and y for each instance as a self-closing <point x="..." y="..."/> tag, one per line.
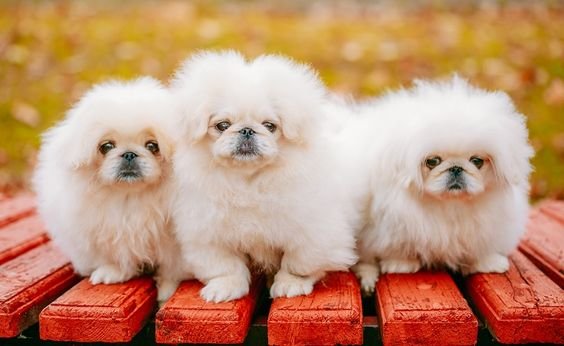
<point x="410" y="177"/>
<point x="512" y="151"/>
<point x="296" y="92"/>
<point x="513" y="165"/>
<point x="292" y="130"/>
<point x="81" y="146"/>
<point x="198" y="83"/>
<point x="72" y="146"/>
<point x="193" y="125"/>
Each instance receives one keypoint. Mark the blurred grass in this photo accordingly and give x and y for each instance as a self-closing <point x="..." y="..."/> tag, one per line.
<point x="51" y="52"/>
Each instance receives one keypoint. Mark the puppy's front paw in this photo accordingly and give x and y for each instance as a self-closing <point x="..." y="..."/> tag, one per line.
<point x="288" y="285"/>
<point x="368" y="275"/>
<point x="109" y="274"/>
<point x="400" y="265"/>
<point x="165" y="289"/>
<point x="225" y="288"/>
<point x="494" y="263"/>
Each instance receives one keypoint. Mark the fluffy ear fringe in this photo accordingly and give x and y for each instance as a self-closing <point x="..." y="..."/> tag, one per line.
<point x="75" y="150"/>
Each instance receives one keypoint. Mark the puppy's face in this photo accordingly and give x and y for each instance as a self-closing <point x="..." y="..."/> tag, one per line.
<point x="244" y="140"/>
<point x="119" y="134"/>
<point x="128" y="158"/>
<point x="449" y="175"/>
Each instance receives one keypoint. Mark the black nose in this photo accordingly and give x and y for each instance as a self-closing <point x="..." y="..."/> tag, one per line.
<point x="129" y="156"/>
<point x="455" y="170"/>
<point x="247" y="132"/>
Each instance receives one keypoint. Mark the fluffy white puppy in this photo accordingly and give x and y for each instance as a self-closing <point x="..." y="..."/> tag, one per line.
<point x="103" y="184"/>
<point x="261" y="189"/>
<point x="448" y="167"/>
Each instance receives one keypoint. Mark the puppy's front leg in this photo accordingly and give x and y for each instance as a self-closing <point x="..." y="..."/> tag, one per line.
<point x="493" y="263"/>
<point x="287" y="284"/>
<point x="224" y="272"/>
<point x="171" y="270"/>
<point x="294" y="278"/>
<point x="400" y="265"/>
<point x="112" y="273"/>
<point x="367" y="272"/>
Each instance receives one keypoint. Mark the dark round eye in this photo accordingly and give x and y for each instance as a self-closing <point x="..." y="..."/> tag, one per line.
<point x="269" y="126"/>
<point x="152" y="146"/>
<point x="477" y="161"/>
<point x="222" y="126"/>
<point x="433" y="162"/>
<point x="106" y="146"/>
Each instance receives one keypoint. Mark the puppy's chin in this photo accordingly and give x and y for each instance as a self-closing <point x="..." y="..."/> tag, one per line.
<point x="444" y="186"/>
<point x="113" y="170"/>
<point x="233" y="151"/>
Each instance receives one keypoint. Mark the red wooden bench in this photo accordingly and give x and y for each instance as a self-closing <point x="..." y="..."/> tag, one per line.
<point x="42" y="299"/>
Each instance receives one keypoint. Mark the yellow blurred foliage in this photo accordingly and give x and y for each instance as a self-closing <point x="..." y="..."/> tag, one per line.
<point x="52" y="51"/>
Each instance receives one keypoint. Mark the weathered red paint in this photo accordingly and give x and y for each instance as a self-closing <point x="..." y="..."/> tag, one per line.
<point x="520" y="306"/>
<point x="553" y="208"/>
<point x="187" y="318"/>
<point x="20" y="236"/>
<point x="16" y="208"/>
<point x="331" y="314"/>
<point x="99" y="313"/>
<point x="544" y="242"/>
<point x="424" y="308"/>
<point x="28" y="283"/>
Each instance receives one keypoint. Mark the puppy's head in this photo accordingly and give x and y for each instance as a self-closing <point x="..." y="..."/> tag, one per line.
<point x="463" y="141"/>
<point x="246" y="113"/>
<point x="118" y="133"/>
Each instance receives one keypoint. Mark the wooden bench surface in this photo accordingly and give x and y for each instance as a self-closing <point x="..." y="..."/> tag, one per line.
<point x="524" y="305"/>
<point x="187" y="318"/>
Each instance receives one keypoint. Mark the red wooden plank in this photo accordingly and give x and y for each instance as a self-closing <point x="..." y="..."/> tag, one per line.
<point x="331" y="314"/>
<point x="543" y="243"/>
<point x="99" y="313"/>
<point x="16" y="208"/>
<point x="553" y="208"/>
<point x="520" y="306"/>
<point x="424" y="308"/>
<point x="30" y="282"/>
<point x="187" y="318"/>
<point x="21" y="236"/>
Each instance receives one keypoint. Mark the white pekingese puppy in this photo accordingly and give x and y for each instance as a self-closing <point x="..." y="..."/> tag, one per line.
<point x="104" y="181"/>
<point x="261" y="190"/>
<point x="448" y="167"/>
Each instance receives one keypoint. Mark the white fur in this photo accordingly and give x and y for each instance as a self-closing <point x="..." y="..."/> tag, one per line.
<point x="412" y="221"/>
<point x="110" y="229"/>
<point x="284" y="212"/>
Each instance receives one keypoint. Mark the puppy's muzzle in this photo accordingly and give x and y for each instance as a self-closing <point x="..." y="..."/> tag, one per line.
<point x="128" y="169"/>
<point x="456" y="179"/>
<point x="246" y="145"/>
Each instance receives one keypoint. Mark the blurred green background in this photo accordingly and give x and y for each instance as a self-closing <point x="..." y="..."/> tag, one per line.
<point x="51" y="52"/>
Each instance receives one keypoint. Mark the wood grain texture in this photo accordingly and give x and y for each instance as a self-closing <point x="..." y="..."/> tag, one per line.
<point x="187" y="318"/>
<point x="520" y="306"/>
<point x="99" y="313"/>
<point x="28" y="283"/>
<point x="20" y="236"/>
<point x="424" y="308"/>
<point x="543" y="242"/>
<point x="553" y="208"/>
<point x="16" y="208"/>
<point x="331" y="314"/>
